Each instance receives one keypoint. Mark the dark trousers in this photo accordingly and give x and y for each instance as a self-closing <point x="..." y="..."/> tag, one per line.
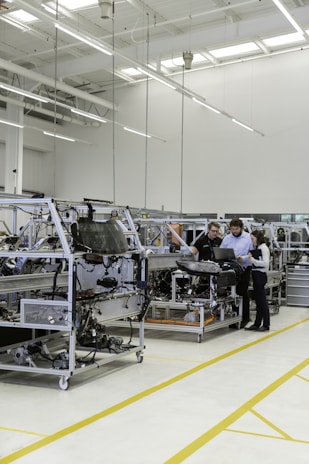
<point x="242" y="290"/>
<point x="259" y="280"/>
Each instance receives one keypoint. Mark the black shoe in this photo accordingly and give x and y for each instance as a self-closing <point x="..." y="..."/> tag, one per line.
<point x="233" y="326"/>
<point x="263" y="329"/>
<point x="252" y="327"/>
<point x="244" y="323"/>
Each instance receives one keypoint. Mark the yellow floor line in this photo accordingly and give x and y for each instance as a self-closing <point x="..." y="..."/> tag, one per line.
<point x="27" y="432"/>
<point x="303" y="378"/>
<point x="133" y="399"/>
<point x="227" y="421"/>
<point x="270" y="424"/>
<point x="263" y="435"/>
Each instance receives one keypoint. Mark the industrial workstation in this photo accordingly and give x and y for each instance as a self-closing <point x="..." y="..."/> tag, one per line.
<point x="154" y="231"/>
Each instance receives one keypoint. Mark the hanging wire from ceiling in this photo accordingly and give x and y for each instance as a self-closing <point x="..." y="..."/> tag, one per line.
<point x="182" y="140"/>
<point x="147" y="112"/>
<point x="113" y="110"/>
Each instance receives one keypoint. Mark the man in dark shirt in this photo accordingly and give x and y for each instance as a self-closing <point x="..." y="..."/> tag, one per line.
<point x="206" y="242"/>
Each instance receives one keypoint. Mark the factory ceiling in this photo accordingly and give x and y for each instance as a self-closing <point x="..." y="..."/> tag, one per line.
<point x="75" y="51"/>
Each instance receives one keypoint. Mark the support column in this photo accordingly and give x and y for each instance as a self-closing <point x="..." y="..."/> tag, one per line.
<point x="14" y="151"/>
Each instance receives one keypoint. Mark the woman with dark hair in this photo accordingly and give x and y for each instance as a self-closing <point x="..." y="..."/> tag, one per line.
<point x="259" y="258"/>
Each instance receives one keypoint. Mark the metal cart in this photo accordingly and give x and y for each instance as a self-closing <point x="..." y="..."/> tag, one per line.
<point x="66" y="287"/>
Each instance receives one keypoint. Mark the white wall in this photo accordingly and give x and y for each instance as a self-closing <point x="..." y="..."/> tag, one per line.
<point x="226" y="168"/>
<point x="36" y="177"/>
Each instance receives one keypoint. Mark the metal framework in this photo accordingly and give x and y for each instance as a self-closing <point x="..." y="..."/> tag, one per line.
<point x="51" y="281"/>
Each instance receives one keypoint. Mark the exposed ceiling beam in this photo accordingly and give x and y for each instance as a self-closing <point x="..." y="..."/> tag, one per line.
<point x="35" y="76"/>
<point x="145" y="9"/>
<point x="243" y="31"/>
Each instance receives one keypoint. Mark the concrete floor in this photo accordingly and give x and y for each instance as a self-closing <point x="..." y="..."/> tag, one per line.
<point x="238" y="397"/>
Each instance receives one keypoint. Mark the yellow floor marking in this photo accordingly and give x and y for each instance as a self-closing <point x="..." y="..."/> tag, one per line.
<point x="306" y="442"/>
<point x="226" y="422"/>
<point x="303" y="378"/>
<point x="271" y="425"/>
<point x="139" y="396"/>
<point x="254" y="434"/>
<point x="8" y="429"/>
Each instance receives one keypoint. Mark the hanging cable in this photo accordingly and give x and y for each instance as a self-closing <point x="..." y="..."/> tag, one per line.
<point x="181" y="143"/>
<point x="147" y="105"/>
<point x="113" y="86"/>
<point x="55" y="100"/>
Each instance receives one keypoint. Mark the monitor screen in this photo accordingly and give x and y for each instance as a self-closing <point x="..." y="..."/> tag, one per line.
<point x="224" y="254"/>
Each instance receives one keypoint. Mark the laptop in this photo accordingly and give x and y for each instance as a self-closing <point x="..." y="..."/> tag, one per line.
<point x="224" y="254"/>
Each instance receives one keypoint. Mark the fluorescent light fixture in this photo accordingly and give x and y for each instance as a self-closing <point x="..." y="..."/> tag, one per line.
<point x="235" y="50"/>
<point x="9" y="123"/>
<point x="206" y="106"/>
<point x="24" y="93"/>
<point x="242" y="125"/>
<point x="87" y="40"/>
<point x="285" y="12"/>
<point x="284" y="39"/>
<point x="77" y="4"/>
<point x="137" y="132"/>
<point x="88" y="115"/>
<point x="23" y="16"/>
<point x="23" y="27"/>
<point x="58" y="136"/>
<point x="153" y="76"/>
<point x="49" y="9"/>
<point x="131" y="72"/>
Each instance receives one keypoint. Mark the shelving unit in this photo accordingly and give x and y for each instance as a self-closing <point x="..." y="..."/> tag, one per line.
<point x="297" y="284"/>
<point x="52" y="281"/>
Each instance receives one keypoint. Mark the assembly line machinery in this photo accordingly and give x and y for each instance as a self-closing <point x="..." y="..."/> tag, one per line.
<point x="68" y="271"/>
<point x="185" y="295"/>
<point x="288" y="243"/>
<point x="178" y="300"/>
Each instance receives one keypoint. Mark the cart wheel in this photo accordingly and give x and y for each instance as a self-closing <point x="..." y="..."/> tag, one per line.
<point x="64" y="383"/>
<point x="199" y="338"/>
<point x="140" y="357"/>
<point x="276" y="309"/>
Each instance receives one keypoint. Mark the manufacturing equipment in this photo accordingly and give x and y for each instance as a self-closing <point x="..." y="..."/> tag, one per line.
<point x="67" y="271"/>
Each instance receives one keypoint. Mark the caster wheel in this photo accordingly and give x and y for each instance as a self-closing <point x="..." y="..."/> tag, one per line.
<point x="140" y="357"/>
<point x="64" y="383"/>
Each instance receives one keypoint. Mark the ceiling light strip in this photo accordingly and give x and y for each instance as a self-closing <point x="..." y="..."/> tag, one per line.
<point x="49" y="9"/>
<point x="136" y="132"/>
<point x="14" y="23"/>
<point x="243" y="125"/>
<point x="87" y="40"/>
<point x="24" y="93"/>
<point x="200" y="102"/>
<point x="285" y="12"/>
<point x="153" y="76"/>
<point x="9" y="123"/>
<point x="59" y="136"/>
<point x="88" y="115"/>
